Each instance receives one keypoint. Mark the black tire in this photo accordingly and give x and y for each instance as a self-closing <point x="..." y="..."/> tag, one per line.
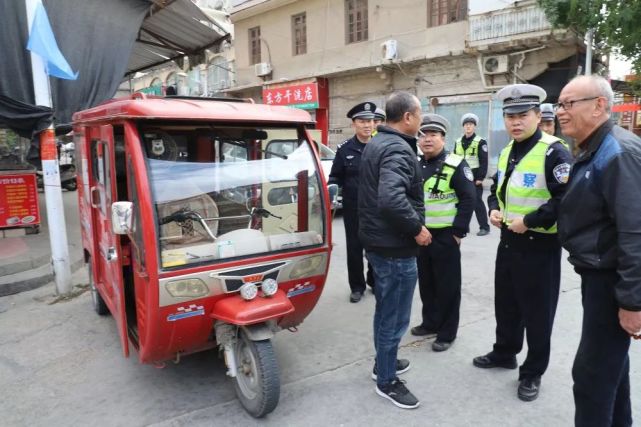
<point x="258" y="376"/>
<point x="98" y="303"/>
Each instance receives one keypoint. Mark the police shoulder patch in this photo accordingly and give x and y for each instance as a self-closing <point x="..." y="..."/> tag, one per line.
<point x="468" y="173"/>
<point x="562" y="173"/>
<point x="484" y="147"/>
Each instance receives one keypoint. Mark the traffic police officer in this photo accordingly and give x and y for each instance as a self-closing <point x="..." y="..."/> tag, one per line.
<point x="449" y="196"/>
<point x="473" y="149"/>
<point x="531" y="179"/>
<point x="344" y="172"/>
<point x="379" y="119"/>
<point x="547" y="124"/>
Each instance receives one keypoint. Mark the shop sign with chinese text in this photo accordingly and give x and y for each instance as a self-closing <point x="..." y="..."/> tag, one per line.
<point x="18" y="200"/>
<point x="300" y="96"/>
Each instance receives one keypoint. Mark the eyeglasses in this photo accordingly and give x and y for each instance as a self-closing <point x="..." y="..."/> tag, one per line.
<point x="567" y="105"/>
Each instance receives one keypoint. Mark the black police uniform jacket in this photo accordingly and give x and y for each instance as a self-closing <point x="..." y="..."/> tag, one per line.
<point x="345" y="169"/>
<point x="390" y="203"/>
<point x="600" y="215"/>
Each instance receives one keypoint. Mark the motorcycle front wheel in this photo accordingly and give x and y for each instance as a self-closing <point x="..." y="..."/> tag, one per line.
<point x="258" y="376"/>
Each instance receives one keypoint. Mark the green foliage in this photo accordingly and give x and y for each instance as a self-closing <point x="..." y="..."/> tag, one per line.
<point x="616" y="23"/>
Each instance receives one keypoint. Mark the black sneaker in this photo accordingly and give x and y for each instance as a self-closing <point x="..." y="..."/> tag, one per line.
<point x="355" y="296"/>
<point x="402" y="366"/>
<point x="398" y="394"/>
<point x="441" y="345"/>
<point x="529" y="389"/>
<point x="483" y="232"/>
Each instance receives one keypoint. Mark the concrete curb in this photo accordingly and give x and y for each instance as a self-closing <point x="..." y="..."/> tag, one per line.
<point x="27" y="280"/>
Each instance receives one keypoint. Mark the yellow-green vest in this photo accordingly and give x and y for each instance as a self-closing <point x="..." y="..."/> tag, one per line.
<point x="527" y="188"/>
<point x="471" y="155"/>
<point x="439" y="196"/>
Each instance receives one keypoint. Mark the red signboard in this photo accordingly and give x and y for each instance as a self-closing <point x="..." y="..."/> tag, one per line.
<point x="18" y="200"/>
<point x="619" y="108"/>
<point x="303" y="95"/>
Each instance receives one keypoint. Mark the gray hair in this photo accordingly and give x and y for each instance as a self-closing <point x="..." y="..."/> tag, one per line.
<point x="603" y="88"/>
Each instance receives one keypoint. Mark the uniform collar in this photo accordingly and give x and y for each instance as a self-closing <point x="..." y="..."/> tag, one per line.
<point x="442" y="155"/>
<point x="466" y="139"/>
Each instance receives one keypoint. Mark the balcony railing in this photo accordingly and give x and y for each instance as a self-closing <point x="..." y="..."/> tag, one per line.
<point x="507" y="22"/>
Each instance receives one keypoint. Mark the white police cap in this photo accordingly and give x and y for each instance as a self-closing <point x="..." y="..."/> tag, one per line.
<point x="364" y="110"/>
<point x="547" y="112"/>
<point x="520" y="98"/>
<point x="470" y="117"/>
<point x="434" y="122"/>
<point x="379" y="114"/>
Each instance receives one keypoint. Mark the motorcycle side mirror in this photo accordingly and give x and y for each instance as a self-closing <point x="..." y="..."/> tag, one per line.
<point x="121" y="217"/>
<point x="333" y="193"/>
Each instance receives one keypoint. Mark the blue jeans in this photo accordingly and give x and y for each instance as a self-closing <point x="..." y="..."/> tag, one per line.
<point x="395" y="280"/>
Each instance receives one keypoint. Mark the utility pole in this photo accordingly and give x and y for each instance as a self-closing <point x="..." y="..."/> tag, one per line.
<point x="588" y="53"/>
<point x="51" y="173"/>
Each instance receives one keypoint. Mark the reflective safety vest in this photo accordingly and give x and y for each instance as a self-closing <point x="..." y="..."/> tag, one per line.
<point x="526" y="188"/>
<point x="471" y="155"/>
<point x="439" y="196"/>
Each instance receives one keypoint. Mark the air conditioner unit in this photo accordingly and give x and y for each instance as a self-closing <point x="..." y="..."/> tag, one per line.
<point x="495" y="64"/>
<point x="388" y="49"/>
<point x="262" y="69"/>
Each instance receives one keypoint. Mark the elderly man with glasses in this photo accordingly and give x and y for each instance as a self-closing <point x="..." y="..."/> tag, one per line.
<point x="600" y="226"/>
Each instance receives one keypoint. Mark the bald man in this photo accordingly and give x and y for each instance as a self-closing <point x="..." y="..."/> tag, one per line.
<point x="600" y="226"/>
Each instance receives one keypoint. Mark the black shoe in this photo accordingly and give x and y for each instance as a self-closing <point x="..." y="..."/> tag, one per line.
<point x="441" y="345"/>
<point x="398" y="394"/>
<point x="529" y="389"/>
<point x="402" y="366"/>
<point x="355" y="296"/>
<point x="421" y="331"/>
<point x="483" y="232"/>
<point x="488" y="361"/>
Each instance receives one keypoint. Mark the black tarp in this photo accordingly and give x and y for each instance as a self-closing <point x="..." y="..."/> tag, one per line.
<point x="95" y="36"/>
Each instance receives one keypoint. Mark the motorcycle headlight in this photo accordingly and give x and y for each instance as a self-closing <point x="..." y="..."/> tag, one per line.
<point x="269" y="287"/>
<point x="307" y="267"/>
<point x="187" y="288"/>
<point x="249" y="291"/>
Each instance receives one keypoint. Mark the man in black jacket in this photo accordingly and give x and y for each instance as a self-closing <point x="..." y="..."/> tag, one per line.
<point x="391" y="211"/>
<point x="600" y="226"/>
<point x="345" y="173"/>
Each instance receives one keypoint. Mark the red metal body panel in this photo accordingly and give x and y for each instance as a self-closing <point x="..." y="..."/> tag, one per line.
<point x="235" y="310"/>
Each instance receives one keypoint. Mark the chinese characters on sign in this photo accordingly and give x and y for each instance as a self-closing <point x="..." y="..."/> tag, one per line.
<point x="18" y="200"/>
<point x="301" y="96"/>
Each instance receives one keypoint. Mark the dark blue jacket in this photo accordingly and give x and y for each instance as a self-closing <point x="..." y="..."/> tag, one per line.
<point x="345" y="170"/>
<point x="600" y="214"/>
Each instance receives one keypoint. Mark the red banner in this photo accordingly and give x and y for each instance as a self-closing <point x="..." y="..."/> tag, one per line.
<point x="18" y="200"/>
<point x="619" y="108"/>
<point x="302" y="96"/>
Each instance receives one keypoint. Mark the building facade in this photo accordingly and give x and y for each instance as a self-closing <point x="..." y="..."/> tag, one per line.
<point x="453" y="58"/>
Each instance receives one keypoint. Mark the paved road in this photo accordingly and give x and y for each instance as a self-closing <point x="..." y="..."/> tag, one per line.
<point x="62" y="365"/>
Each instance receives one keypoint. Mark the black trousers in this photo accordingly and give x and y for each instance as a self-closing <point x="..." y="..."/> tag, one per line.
<point x="480" y="210"/>
<point x="439" y="282"/>
<point x="526" y="292"/>
<point x="601" y="366"/>
<point x="355" y="253"/>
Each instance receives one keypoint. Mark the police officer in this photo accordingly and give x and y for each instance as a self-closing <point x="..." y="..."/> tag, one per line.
<point x="345" y="173"/>
<point x="531" y="178"/>
<point x="473" y="149"/>
<point x="449" y="195"/>
<point x="547" y="124"/>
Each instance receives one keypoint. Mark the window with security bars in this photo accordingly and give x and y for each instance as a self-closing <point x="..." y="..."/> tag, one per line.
<point x="356" y="21"/>
<point x="254" y="45"/>
<point x="299" y="33"/>
<point x="441" y="12"/>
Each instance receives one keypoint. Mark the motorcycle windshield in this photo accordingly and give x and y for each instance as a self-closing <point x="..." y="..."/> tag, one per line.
<point x="229" y="192"/>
